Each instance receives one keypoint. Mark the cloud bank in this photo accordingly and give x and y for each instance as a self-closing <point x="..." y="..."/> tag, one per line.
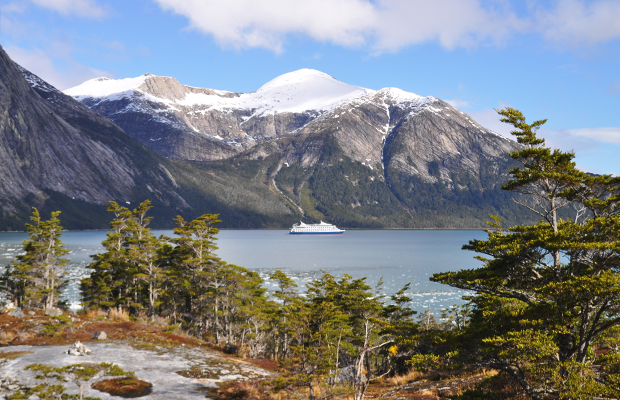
<point x="390" y="25"/>
<point x="383" y="25"/>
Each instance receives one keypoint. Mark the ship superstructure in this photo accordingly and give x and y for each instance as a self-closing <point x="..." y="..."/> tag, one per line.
<point x="315" y="229"/>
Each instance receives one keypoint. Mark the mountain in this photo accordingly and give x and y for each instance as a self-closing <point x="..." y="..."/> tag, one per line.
<point x="183" y="122"/>
<point x="333" y="151"/>
<point x="57" y="154"/>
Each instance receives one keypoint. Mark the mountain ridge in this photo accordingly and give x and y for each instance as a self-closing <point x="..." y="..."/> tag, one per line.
<point x="418" y="154"/>
<point x="359" y="158"/>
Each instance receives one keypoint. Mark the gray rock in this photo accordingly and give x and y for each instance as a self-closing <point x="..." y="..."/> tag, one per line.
<point x="53" y="312"/>
<point x="101" y="335"/>
<point x="16" y="313"/>
<point x="7" y="307"/>
<point x="50" y="142"/>
<point x="78" y="349"/>
<point x="31" y="312"/>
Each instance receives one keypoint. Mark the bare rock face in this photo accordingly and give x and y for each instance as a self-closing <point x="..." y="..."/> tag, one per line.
<point x="53" y="147"/>
<point x="53" y="312"/>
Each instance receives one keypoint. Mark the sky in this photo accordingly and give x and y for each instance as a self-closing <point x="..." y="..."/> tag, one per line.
<point x="555" y="60"/>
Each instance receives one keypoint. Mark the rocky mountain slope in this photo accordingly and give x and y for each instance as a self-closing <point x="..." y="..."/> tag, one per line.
<point x="57" y="154"/>
<point x="354" y="156"/>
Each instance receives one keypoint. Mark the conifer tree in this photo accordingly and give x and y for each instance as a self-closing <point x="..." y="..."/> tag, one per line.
<point x="287" y="296"/>
<point x="196" y="269"/>
<point x="37" y="277"/>
<point x="105" y="288"/>
<point x="547" y="291"/>
<point x="129" y="273"/>
<point x="143" y="251"/>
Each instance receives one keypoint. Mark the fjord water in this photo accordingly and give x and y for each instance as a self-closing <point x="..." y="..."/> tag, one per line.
<point x="399" y="256"/>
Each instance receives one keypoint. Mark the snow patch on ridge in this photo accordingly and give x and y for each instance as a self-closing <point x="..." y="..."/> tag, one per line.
<point x="113" y="89"/>
<point x="35" y="82"/>
<point x="297" y="91"/>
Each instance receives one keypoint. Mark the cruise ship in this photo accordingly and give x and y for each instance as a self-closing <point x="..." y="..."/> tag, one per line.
<point x="315" y="229"/>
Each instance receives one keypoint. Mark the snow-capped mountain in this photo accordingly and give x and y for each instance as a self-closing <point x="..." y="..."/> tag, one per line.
<point x="184" y="122"/>
<point x="297" y="91"/>
<point x="329" y="149"/>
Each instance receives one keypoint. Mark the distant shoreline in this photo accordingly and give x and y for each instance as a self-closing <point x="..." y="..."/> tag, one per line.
<point x="285" y="229"/>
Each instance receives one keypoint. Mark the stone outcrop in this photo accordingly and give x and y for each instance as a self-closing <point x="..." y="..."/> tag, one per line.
<point x="100" y="335"/>
<point x="78" y="349"/>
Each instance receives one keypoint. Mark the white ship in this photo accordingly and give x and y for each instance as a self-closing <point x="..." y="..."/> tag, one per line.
<point x="315" y="229"/>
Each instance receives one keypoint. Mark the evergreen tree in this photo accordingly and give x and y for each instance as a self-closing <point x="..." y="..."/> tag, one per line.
<point x="105" y="287"/>
<point x="37" y="277"/>
<point x="129" y="274"/>
<point x="287" y="297"/>
<point x="196" y="270"/>
<point x="547" y="291"/>
<point x="143" y="253"/>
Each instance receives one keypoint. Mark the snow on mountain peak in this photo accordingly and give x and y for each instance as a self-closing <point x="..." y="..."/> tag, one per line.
<point x="400" y="95"/>
<point x="298" y="91"/>
<point x="297" y="77"/>
<point x="106" y="87"/>
<point x="305" y="89"/>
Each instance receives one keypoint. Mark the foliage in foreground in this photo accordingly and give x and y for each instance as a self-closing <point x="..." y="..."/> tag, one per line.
<point x="548" y="292"/>
<point x="36" y="279"/>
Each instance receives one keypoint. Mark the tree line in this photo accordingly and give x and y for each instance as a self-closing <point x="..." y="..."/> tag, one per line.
<point x="543" y="306"/>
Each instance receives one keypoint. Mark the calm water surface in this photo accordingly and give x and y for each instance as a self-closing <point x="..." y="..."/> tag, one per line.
<point x="399" y="256"/>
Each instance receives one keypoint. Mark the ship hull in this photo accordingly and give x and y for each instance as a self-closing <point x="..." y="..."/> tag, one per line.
<point x="317" y="233"/>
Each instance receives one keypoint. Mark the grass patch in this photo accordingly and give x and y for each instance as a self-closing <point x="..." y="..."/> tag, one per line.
<point x="124" y="387"/>
<point x="11" y="355"/>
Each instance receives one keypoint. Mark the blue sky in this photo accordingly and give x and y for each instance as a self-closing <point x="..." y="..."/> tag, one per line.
<point x="550" y="59"/>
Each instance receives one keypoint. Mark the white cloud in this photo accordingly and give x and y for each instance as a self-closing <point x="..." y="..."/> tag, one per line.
<point x="580" y="22"/>
<point x="456" y="103"/>
<point x="565" y="139"/>
<point x="382" y="25"/>
<point x="596" y="149"/>
<point x="37" y="62"/>
<point x="606" y="135"/>
<point x="389" y="25"/>
<point x="251" y="23"/>
<point x="80" y="8"/>
<point x="452" y="23"/>
<point x="13" y="7"/>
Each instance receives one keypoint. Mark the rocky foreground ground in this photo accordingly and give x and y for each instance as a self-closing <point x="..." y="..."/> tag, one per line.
<point x="176" y="365"/>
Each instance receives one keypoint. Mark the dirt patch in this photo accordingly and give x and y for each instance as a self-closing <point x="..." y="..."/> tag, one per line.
<point x="124" y="387"/>
<point x="264" y="363"/>
<point x="37" y="329"/>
